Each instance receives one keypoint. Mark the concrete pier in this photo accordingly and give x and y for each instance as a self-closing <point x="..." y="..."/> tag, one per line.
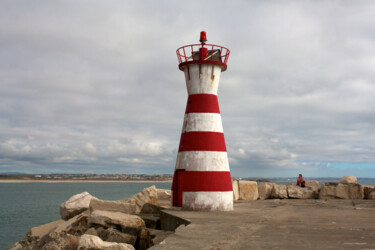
<point x="278" y="224"/>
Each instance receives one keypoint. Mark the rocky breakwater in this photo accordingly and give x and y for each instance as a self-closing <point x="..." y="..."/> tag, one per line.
<point x="90" y="223"/>
<point x="250" y="190"/>
<point x="346" y="188"/>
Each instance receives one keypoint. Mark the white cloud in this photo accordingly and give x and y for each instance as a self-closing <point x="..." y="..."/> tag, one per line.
<point x="98" y="89"/>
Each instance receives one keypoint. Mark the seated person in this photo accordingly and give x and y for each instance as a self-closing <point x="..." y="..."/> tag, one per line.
<point x="300" y="181"/>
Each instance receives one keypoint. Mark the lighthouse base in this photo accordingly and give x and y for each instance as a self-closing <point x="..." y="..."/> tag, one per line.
<point x="209" y="201"/>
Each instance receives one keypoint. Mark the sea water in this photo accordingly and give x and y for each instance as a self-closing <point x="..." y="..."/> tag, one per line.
<point x="26" y="205"/>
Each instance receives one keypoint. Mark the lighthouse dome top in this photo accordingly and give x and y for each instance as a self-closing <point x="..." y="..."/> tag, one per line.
<point x="203" y="54"/>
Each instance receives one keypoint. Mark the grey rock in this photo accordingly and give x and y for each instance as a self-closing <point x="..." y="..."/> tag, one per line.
<point x="367" y="190"/>
<point x="75" y="205"/>
<point x="93" y="242"/>
<point x="58" y="241"/>
<point x="16" y="246"/>
<point x="348" y="180"/>
<point x="164" y="197"/>
<point x="114" y="235"/>
<point x="313" y="184"/>
<point x="333" y="190"/>
<point x="36" y="233"/>
<point x="99" y="230"/>
<point x="128" y="223"/>
<point x="131" y="205"/>
<point x="91" y="231"/>
<point x="265" y="190"/>
<point x="147" y="195"/>
<point x="75" y="226"/>
<point x="279" y="192"/>
<point x="114" y="206"/>
<point x="297" y="192"/>
<point x="235" y="190"/>
<point x="248" y="190"/>
<point x="371" y="195"/>
<point x="144" y="239"/>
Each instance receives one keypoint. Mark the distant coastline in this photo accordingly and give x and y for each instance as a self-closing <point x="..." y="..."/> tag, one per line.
<point x="85" y="178"/>
<point x="84" y="181"/>
<point x="142" y="178"/>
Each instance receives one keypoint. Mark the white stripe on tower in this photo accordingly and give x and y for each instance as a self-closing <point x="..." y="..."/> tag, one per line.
<point x="202" y="161"/>
<point x="202" y="122"/>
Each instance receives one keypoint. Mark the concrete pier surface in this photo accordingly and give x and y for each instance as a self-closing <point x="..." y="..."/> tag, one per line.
<point x="279" y="224"/>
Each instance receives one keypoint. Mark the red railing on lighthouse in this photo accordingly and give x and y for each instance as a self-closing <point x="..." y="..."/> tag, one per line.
<point x="212" y="54"/>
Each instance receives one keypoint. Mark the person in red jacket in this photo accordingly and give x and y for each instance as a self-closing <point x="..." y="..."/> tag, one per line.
<point x="300" y="181"/>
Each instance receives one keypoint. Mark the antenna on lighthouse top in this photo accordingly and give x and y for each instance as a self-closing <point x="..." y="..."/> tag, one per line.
<point x="203" y="39"/>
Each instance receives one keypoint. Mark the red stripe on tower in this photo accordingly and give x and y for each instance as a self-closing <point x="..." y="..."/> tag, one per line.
<point x="196" y="181"/>
<point x="202" y="103"/>
<point x="202" y="141"/>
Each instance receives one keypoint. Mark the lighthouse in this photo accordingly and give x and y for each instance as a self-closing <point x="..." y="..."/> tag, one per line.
<point x="202" y="179"/>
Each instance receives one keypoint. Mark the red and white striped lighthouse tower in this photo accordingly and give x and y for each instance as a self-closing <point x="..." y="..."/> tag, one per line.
<point x="202" y="178"/>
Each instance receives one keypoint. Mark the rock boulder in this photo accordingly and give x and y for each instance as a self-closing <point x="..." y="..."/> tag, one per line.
<point x="297" y="192"/>
<point x="348" y="180"/>
<point x="164" y="197"/>
<point x="333" y="190"/>
<point x="91" y="231"/>
<point x="148" y="195"/>
<point x="114" y="235"/>
<point x="128" y="223"/>
<point x="113" y="206"/>
<point x="134" y="204"/>
<point x="57" y="241"/>
<point x="149" y="208"/>
<point x="279" y="192"/>
<point x="371" y="195"/>
<point x="75" y="226"/>
<point x="75" y="205"/>
<point x="94" y="242"/>
<point x="314" y="185"/>
<point x="144" y="239"/>
<point x="367" y="191"/>
<point x="16" y="246"/>
<point x="248" y="190"/>
<point x="235" y="190"/>
<point x="265" y="190"/>
<point x="39" y="232"/>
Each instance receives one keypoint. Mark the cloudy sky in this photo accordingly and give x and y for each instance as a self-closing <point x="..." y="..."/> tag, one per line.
<point x="94" y="87"/>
